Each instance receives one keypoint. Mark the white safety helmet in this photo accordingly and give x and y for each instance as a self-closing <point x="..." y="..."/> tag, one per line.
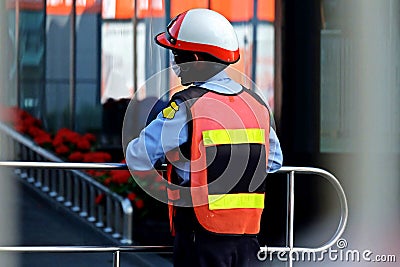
<point x="202" y="30"/>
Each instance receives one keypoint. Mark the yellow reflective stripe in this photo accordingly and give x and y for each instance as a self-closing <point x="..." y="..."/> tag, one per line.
<point x="236" y="201"/>
<point x="233" y="136"/>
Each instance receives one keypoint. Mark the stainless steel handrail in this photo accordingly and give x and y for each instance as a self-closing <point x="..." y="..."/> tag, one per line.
<point x="290" y="171"/>
<point x="290" y="248"/>
<point x="73" y="188"/>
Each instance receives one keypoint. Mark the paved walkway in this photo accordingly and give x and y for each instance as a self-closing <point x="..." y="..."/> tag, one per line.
<point x="41" y="223"/>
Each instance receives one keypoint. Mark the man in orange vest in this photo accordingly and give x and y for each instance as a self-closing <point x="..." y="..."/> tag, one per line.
<point x="218" y="143"/>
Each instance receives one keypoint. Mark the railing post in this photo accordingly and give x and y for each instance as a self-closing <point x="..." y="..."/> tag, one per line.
<point x="92" y="205"/>
<point x="68" y="190"/>
<point x="53" y="184"/>
<point x="45" y="187"/>
<point x="60" y="197"/>
<point x="84" y="194"/>
<point x="290" y="214"/>
<point x="116" y="259"/>
<point x="38" y="173"/>
<point x="127" y="222"/>
<point x="109" y="211"/>
<point x="117" y="221"/>
<point x="77" y="193"/>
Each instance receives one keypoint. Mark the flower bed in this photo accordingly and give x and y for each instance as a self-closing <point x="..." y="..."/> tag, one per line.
<point x="75" y="147"/>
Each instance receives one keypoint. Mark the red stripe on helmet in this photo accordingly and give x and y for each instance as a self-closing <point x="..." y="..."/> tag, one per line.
<point x="222" y="54"/>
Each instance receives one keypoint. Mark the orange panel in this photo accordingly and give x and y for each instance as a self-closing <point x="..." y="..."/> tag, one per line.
<point x="63" y="7"/>
<point x="234" y="10"/>
<point x="179" y="6"/>
<point x="26" y="4"/>
<point x="91" y="6"/>
<point x="266" y="10"/>
<point x="151" y="8"/>
<point x="58" y="8"/>
<point x="124" y="9"/>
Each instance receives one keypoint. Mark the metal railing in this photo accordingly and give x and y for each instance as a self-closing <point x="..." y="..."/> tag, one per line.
<point x="66" y="184"/>
<point x="70" y="187"/>
<point x="289" y="248"/>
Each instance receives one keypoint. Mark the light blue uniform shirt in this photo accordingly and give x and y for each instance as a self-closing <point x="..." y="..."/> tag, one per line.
<point x="163" y="135"/>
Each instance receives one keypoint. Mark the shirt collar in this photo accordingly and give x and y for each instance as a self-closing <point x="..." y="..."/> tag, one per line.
<point x="220" y="83"/>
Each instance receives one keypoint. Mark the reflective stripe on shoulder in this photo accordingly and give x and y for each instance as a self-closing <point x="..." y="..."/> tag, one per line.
<point x="233" y="136"/>
<point x="236" y="201"/>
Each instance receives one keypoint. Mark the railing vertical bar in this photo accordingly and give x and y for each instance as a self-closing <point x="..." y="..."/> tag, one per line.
<point x="38" y="172"/>
<point x="68" y="189"/>
<point x="127" y="222"/>
<point x="61" y="191"/>
<point x="290" y="219"/>
<point x="30" y="171"/>
<point x="23" y="152"/>
<point x="76" y="205"/>
<point x="17" y="150"/>
<point x="116" y="259"/>
<point x="99" y="211"/>
<point x="53" y="183"/>
<point x="92" y="207"/>
<point x="45" y="187"/>
<point x="117" y="220"/>
<point x="84" y="204"/>
<point x="109" y="215"/>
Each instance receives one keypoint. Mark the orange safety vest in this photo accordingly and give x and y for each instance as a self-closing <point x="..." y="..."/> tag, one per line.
<point x="228" y="159"/>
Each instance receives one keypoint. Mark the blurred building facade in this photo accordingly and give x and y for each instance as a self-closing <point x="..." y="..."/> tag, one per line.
<point x="78" y="69"/>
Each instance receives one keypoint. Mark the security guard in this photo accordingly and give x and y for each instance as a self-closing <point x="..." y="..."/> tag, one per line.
<point x="217" y="140"/>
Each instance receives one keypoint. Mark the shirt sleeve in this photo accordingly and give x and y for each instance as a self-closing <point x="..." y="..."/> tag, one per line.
<point x="166" y="132"/>
<point x="275" y="157"/>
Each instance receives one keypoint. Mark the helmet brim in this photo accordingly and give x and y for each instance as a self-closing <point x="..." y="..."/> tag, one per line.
<point x="219" y="53"/>
<point x="161" y="39"/>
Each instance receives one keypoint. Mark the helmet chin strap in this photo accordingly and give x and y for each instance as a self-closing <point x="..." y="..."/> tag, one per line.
<point x="174" y="66"/>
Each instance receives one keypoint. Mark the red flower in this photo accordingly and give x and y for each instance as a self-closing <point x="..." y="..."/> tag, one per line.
<point x="139" y="203"/>
<point x="83" y="144"/>
<point x="120" y="176"/>
<point x="91" y="138"/>
<point x="31" y="121"/>
<point x="73" y="137"/>
<point x="99" y="199"/>
<point x="62" y="150"/>
<point x="35" y="131"/>
<point x="58" y="140"/>
<point x="97" y="157"/>
<point x="131" y="196"/>
<point x="20" y="127"/>
<point x="42" y="139"/>
<point x="75" y="156"/>
<point x="66" y="135"/>
<point x="107" y="181"/>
